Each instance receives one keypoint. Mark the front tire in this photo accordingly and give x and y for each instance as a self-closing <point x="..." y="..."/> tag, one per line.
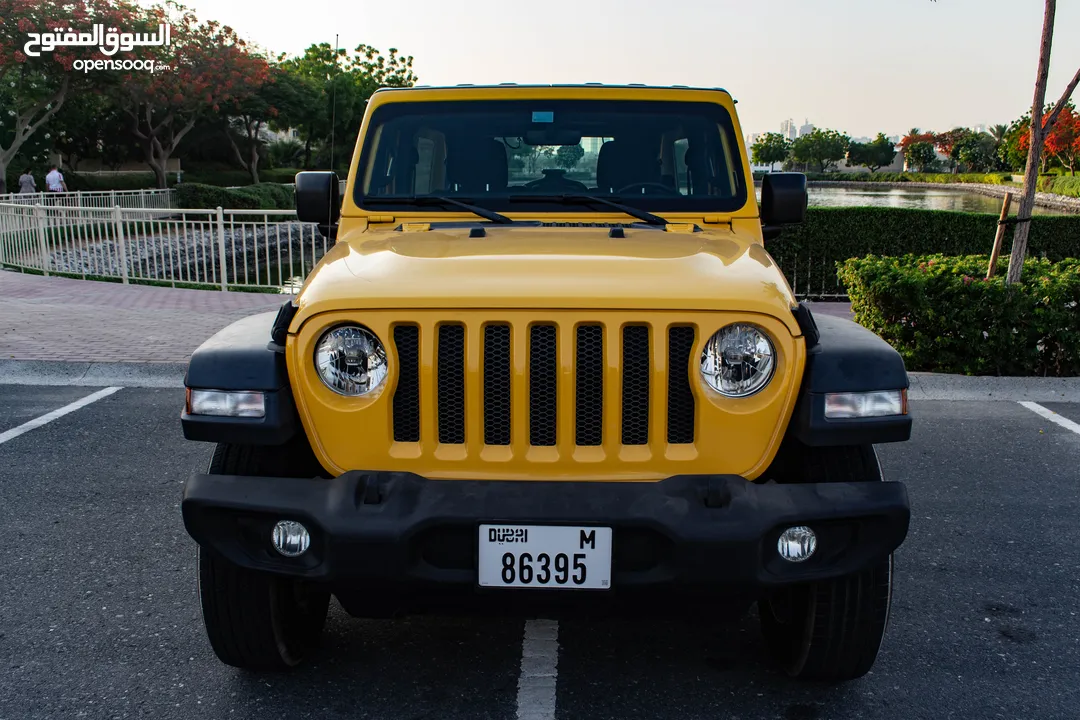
<point x="830" y="630"/>
<point x="255" y="620"/>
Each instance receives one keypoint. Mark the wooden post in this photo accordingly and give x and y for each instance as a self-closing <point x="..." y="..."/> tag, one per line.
<point x="999" y="236"/>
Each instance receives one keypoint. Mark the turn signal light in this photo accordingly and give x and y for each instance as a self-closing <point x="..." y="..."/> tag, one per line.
<point x="881" y="403"/>
<point x="226" y="403"/>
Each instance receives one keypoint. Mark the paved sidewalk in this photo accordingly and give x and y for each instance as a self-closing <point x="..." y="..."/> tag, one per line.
<point x="52" y="318"/>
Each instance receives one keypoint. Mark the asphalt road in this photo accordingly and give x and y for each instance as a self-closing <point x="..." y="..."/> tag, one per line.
<point x="99" y="616"/>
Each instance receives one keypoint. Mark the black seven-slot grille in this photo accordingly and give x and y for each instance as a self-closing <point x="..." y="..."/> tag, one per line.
<point x="543" y="378"/>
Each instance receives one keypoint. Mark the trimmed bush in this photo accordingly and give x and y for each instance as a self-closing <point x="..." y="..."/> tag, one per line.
<point x="231" y="177"/>
<point x="943" y="316"/>
<point x="808" y="253"/>
<point x="264" y="196"/>
<point x="938" y="178"/>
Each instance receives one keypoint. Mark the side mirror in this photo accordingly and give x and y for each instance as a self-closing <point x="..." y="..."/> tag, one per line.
<point x="318" y="200"/>
<point x="783" y="202"/>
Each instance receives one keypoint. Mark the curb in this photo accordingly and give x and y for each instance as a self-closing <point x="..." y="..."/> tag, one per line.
<point x="924" y="386"/>
<point x="92" y="374"/>
<point x="935" y="386"/>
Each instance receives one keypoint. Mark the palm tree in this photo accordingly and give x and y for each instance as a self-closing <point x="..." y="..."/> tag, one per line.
<point x="998" y="132"/>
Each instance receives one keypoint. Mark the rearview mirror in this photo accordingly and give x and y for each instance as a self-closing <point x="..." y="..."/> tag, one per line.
<point x="552" y="136"/>
<point x="318" y="200"/>
<point x="783" y="202"/>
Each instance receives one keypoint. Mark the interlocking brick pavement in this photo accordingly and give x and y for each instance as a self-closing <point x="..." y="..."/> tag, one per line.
<point x="52" y="318"/>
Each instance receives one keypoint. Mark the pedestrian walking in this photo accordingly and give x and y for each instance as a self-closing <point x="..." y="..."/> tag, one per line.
<point x="55" y="180"/>
<point x="27" y="184"/>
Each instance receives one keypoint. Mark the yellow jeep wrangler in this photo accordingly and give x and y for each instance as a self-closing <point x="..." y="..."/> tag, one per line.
<point x="547" y="366"/>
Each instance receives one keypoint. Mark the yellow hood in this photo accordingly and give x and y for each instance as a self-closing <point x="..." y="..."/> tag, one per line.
<point x="548" y="267"/>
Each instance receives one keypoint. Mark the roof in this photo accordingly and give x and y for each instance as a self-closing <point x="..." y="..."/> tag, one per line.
<point x="552" y="85"/>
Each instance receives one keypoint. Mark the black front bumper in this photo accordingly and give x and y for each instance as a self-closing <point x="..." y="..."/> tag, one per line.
<point x="383" y="530"/>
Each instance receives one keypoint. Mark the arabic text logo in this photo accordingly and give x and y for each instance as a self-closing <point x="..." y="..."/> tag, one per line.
<point x="108" y="42"/>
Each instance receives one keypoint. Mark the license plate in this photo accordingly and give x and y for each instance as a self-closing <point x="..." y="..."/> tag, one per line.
<point x="545" y="556"/>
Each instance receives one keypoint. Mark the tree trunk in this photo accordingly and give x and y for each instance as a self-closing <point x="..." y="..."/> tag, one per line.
<point x="307" y="151"/>
<point x="3" y="176"/>
<point x="1031" y="170"/>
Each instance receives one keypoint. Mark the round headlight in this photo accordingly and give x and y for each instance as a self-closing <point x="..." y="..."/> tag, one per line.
<point x="738" y="360"/>
<point x="351" y="360"/>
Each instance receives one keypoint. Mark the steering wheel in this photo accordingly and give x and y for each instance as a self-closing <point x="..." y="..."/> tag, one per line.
<point x="643" y="185"/>
<point x="553" y="180"/>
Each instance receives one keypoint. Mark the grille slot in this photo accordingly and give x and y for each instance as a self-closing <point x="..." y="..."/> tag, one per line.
<point x="451" y="384"/>
<point x="407" y="395"/>
<point x="680" y="408"/>
<point x="589" y="422"/>
<point x="543" y="385"/>
<point x="497" y="385"/>
<point x="635" y="385"/>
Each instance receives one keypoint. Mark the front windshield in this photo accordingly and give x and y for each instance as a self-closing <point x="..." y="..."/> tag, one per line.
<point x="513" y="155"/>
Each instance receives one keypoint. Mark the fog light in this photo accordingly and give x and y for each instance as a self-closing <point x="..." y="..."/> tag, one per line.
<point x="291" y="538"/>
<point x="797" y="544"/>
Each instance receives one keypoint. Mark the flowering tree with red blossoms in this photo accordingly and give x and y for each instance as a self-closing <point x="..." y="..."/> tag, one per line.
<point x="33" y="89"/>
<point x="207" y="68"/>
<point x="1062" y="143"/>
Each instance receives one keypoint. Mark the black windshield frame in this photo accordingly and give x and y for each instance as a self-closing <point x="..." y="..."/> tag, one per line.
<point x="695" y="204"/>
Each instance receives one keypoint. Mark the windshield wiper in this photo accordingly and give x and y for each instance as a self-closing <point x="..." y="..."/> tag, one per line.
<point x="442" y="201"/>
<point x="609" y="200"/>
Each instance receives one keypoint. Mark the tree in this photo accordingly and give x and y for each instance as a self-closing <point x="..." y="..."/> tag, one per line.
<point x="977" y="153"/>
<point x="342" y="84"/>
<point x="91" y="125"/>
<point x="1062" y="142"/>
<point x="210" y="68"/>
<point x="36" y="83"/>
<point x="948" y="144"/>
<point x="567" y="156"/>
<point x="770" y="149"/>
<point x="920" y="156"/>
<point x="823" y="148"/>
<point x="277" y="100"/>
<point x="875" y="154"/>
<point x="1040" y="126"/>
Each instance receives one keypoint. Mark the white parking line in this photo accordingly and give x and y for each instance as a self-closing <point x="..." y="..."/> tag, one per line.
<point x="58" y="413"/>
<point x="539" y="674"/>
<point x="1052" y="416"/>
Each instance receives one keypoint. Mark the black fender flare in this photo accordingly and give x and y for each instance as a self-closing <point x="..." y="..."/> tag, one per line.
<point x="843" y="356"/>
<point x="246" y="355"/>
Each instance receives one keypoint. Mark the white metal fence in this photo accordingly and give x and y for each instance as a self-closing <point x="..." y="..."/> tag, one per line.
<point x="94" y="199"/>
<point x="220" y="248"/>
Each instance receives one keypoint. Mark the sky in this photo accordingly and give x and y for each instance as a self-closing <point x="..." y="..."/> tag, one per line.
<point x="859" y="66"/>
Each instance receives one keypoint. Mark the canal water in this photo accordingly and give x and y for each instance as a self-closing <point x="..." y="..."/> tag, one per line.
<point x="945" y="198"/>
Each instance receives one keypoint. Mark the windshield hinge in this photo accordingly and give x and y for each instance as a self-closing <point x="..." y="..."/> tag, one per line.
<point x="681" y="227"/>
<point x="415" y="227"/>
<point x="372" y="219"/>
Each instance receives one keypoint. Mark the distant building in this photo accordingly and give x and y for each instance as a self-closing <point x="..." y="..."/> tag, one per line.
<point x="788" y="129"/>
<point x="753" y="138"/>
<point x="806" y="128"/>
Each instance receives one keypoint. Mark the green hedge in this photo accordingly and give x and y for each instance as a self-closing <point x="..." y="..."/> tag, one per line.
<point x="264" y="196"/>
<point x="943" y="316"/>
<point x="808" y="253"/>
<point x="938" y="178"/>
<point x="229" y="177"/>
